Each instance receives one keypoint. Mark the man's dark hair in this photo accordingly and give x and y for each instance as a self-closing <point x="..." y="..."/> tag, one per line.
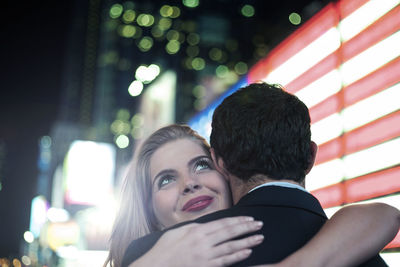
<point x="261" y="129"/>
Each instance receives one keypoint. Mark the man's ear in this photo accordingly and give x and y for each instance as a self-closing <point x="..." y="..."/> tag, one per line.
<point x="218" y="163"/>
<point x="314" y="149"/>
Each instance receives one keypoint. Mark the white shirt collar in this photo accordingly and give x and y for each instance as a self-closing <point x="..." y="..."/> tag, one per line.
<point x="283" y="184"/>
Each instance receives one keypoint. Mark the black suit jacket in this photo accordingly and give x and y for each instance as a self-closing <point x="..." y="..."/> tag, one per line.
<point x="291" y="217"/>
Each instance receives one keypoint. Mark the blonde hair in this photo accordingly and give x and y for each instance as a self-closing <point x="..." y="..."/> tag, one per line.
<point x="135" y="217"/>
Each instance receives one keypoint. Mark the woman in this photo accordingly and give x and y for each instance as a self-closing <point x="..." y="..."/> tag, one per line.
<point x="156" y="195"/>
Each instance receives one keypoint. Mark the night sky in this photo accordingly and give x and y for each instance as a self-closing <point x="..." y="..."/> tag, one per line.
<point x="32" y="45"/>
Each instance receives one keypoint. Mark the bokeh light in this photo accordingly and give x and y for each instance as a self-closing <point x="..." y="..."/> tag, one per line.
<point x="192" y="51"/>
<point x="26" y="260"/>
<point x="122" y="141"/>
<point x="193" y="38"/>
<point x="190" y="3"/>
<point x="129" y="16"/>
<point x="199" y="91"/>
<point x="198" y="63"/>
<point x="215" y="54"/>
<point x="116" y="11"/>
<point x="247" y="11"/>
<point x="165" y="23"/>
<point x="221" y="71"/>
<point x="145" y="20"/>
<point x="45" y="141"/>
<point x="127" y="31"/>
<point x="137" y="120"/>
<point x="145" y="44"/>
<point x="166" y="10"/>
<point x="147" y="74"/>
<point x="241" y="68"/>
<point x="295" y="18"/>
<point x="135" y="88"/>
<point x="176" y="12"/>
<point x="28" y="236"/>
<point x="172" y="47"/>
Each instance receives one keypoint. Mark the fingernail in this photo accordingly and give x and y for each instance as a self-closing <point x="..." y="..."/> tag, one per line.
<point x="259" y="224"/>
<point x="247" y="251"/>
<point x="248" y="219"/>
<point x="258" y="238"/>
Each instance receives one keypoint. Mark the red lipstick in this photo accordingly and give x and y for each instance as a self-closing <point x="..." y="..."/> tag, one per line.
<point x="198" y="203"/>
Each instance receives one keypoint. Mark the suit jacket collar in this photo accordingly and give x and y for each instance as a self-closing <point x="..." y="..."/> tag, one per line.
<point x="282" y="196"/>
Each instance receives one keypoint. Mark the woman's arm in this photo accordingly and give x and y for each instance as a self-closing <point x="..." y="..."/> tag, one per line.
<point x="353" y="235"/>
<point x="204" y="244"/>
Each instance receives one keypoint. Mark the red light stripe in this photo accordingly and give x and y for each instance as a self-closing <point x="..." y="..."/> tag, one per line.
<point x="368" y="135"/>
<point x="369" y="85"/>
<point x="330" y="196"/>
<point x="310" y="31"/>
<point x="346" y="7"/>
<point x="374" y="133"/>
<point x="329" y="151"/>
<point x="373" y="83"/>
<point x="365" y="187"/>
<point x="379" y="30"/>
<point x="373" y="185"/>
<point x="323" y="67"/>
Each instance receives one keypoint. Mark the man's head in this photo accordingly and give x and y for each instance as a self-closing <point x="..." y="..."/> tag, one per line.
<point x="261" y="130"/>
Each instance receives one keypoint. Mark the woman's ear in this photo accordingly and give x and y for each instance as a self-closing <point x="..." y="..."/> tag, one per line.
<point x="314" y="149"/>
<point x="218" y="163"/>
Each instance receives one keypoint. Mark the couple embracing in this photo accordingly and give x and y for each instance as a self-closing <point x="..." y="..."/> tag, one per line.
<point x="241" y="202"/>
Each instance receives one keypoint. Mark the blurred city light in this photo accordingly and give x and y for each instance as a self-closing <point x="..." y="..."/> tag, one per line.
<point x="145" y="20"/>
<point x="166" y="11"/>
<point x="128" y="31"/>
<point x="135" y="88"/>
<point x="247" y="11"/>
<point x="147" y="74"/>
<point x="198" y="63"/>
<point x="215" y="54"/>
<point x="165" y="23"/>
<point x="16" y="263"/>
<point x="241" y="68"/>
<point x="28" y="236"/>
<point x="57" y="215"/>
<point x="129" y="16"/>
<point x="190" y="3"/>
<point x="145" y="44"/>
<point x="176" y="12"/>
<point x="172" y="47"/>
<point x="122" y="141"/>
<point x="116" y="11"/>
<point x="192" y="51"/>
<point x="193" y="38"/>
<point x="26" y="260"/>
<point x="221" y="71"/>
<point x="295" y="18"/>
<point x="45" y="141"/>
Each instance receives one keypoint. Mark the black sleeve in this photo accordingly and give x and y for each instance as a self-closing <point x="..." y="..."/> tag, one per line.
<point x="139" y="247"/>
<point x="375" y="261"/>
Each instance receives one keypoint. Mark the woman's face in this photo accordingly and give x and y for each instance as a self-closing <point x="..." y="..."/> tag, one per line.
<point x="185" y="183"/>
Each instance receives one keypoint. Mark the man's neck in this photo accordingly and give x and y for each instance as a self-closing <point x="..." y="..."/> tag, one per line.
<point x="240" y="188"/>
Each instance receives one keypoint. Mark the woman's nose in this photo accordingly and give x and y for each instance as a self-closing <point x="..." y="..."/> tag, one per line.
<point x="191" y="188"/>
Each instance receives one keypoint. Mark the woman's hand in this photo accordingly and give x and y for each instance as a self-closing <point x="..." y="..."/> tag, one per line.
<point x="205" y="244"/>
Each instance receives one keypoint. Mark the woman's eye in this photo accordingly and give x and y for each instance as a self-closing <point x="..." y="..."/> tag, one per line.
<point x="163" y="181"/>
<point x="202" y="165"/>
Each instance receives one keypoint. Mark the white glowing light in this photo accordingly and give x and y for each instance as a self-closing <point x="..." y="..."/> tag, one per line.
<point x="371" y="108"/>
<point x="147" y="74"/>
<point x="122" y="141"/>
<point x="372" y="159"/>
<point x="327" y="129"/>
<point x="28" y="236"/>
<point x="365" y="16"/>
<point x="306" y="58"/>
<point x="328" y="173"/>
<point x="371" y="59"/>
<point x="320" y="89"/>
<point x="135" y="88"/>
<point x="57" y="215"/>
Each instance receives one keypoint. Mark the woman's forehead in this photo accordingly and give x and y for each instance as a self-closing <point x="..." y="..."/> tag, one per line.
<point x="175" y="154"/>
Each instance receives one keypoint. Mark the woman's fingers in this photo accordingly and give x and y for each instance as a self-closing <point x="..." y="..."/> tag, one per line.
<point x="211" y="227"/>
<point x="232" y="231"/>
<point x="227" y="260"/>
<point x="234" y="246"/>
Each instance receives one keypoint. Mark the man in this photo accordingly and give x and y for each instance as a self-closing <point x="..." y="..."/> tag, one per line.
<point x="261" y="141"/>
